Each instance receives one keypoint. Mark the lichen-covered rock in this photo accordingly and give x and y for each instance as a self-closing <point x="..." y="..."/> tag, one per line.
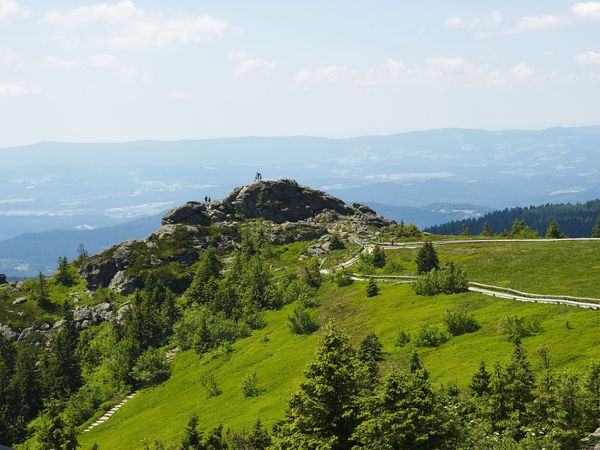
<point x="123" y="284"/>
<point x="99" y="270"/>
<point x="8" y="332"/>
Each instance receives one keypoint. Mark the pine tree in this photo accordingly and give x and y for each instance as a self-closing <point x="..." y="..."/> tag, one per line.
<point x="415" y="366"/>
<point x="427" y="259"/>
<point x="25" y="384"/>
<point x="596" y="229"/>
<point x="466" y="231"/>
<point x="53" y="432"/>
<point x="62" y="373"/>
<point x="372" y="288"/>
<point x="259" y="437"/>
<point x="407" y="414"/>
<point x="82" y="255"/>
<point x="322" y="413"/>
<point x="553" y="231"/>
<point x="370" y="353"/>
<point x="336" y="242"/>
<point x="487" y="230"/>
<point x="480" y="383"/>
<point x="40" y="292"/>
<point x="312" y="273"/>
<point x="62" y="275"/>
<point x="378" y="257"/>
<point x="192" y="438"/>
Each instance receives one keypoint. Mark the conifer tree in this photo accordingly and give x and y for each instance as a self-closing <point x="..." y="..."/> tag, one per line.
<point x="372" y="288"/>
<point x="336" y="242"/>
<point x="427" y="259"/>
<point x="370" y="353"/>
<point x="415" y="366"/>
<point x="259" y="437"/>
<point x="40" y="292"/>
<point x="480" y="383"/>
<point x="407" y="414"/>
<point x="596" y="229"/>
<point x="62" y="275"/>
<point x="322" y="413"/>
<point x="378" y="257"/>
<point x="553" y="231"/>
<point x="487" y="230"/>
<point x="192" y="438"/>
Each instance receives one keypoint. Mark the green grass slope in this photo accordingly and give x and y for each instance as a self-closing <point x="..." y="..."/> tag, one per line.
<point x="162" y="411"/>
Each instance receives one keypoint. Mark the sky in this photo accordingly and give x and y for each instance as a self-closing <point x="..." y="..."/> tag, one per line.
<point x="88" y="71"/>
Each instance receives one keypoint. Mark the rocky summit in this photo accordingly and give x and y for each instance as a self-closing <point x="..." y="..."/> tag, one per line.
<point x="289" y="212"/>
<point x="277" y="201"/>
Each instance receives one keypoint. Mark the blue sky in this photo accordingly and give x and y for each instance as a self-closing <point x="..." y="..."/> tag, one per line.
<point x="126" y="70"/>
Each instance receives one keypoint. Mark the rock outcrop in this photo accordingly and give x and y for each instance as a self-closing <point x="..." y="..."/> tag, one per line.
<point x="592" y="442"/>
<point x="3" y="279"/>
<point x="292" y="213"/>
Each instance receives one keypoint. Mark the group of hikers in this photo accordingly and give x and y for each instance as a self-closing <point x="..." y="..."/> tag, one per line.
<point x="207" y="199"/>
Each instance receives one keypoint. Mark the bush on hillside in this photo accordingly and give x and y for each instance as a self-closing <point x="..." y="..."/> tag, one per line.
<point x="342" y="278"/>
<point x="336" y="242"/>
<point x="516" y="328"/>
<point x="372" y="288"/>
<point x="302" y="322"/>
<point x="450" y="279"/>
<point x="250" y="386"/>
<point x="428" y="336"/>
<point x="151" y="367"/>
<point x="460" y="322"/>
<point x="427" y="258"/>
<point x="403" y="339"/>
<point x="209" y="384"/>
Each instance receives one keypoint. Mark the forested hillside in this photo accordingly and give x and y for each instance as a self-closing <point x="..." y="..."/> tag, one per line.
<point x="574" y="220"/>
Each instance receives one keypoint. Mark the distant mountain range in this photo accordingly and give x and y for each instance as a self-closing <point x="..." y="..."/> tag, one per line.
<point x="575" y="220"/>
<point x="28" y="254"/>
<point x="66" y="185"/>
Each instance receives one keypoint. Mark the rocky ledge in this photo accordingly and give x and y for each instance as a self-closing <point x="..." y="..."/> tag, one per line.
<point x="291" y="212"/>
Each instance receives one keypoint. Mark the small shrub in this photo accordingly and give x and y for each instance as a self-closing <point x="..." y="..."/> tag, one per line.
<point x="372" y="288"/>
<point x="516" y="328"/>
<point x="460" y="322"/>
<point x="336" y="242"/>
<point x="312" y="273"/>
<point x="302" y="322"/>
<point x="342" y="278"/>
<point x="428" y="336"/>
<point x="209" y="384"/>
<point x="450" y="279"/>
<point x="151" y="368"/>
<point x="403" y="339"/>
<point x="250" y="386"/>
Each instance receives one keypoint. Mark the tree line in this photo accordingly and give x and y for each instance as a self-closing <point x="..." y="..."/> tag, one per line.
<point x="575" y="220"/>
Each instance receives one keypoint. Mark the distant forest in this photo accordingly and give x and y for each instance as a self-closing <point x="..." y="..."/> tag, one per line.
<point x="574" y="220"/>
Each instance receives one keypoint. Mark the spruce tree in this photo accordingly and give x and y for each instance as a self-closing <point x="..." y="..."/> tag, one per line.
<point x="480" y="383"/>
<point x="407" y="414"/>
<point x="427" y="259"/>
<point x="259" y="437"/>
<point x="370" y="353"/>
<point x="40" y="292"/>
<point x="553" y="231"/>
<point x="372" y="288"/>
<point x="415" y="366"/>
<point x="378" y="257"/>
<point x="322" y="413"/>
<point x="336" y="242"/>
<point x="596" y="229"/>
<point x="62" y="275"/>
<point x="487" y="230"/>
<point x="192" y="438"/>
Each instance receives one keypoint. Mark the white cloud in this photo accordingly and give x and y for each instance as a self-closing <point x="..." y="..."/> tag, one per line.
<point x="446" y="63"/>
<point x="10" y="9"/>
<point x="539" y="22"/>
<point x="102" y="61"/>
<point x="522" y="71"/>
<point x="247" y="63"/>
<point x="571" y="190"/>
<point x="329" y="74"/>
<point x="61" y="63"/>
<point x="145" y="209"/>
<point x="411" y="176"/>
<point x="586" y="10"/>
<point x="16" y="89"/>
<point x="588" y="58"/>
<point x="124" y="25"/>
<point x="492" y="20"/>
